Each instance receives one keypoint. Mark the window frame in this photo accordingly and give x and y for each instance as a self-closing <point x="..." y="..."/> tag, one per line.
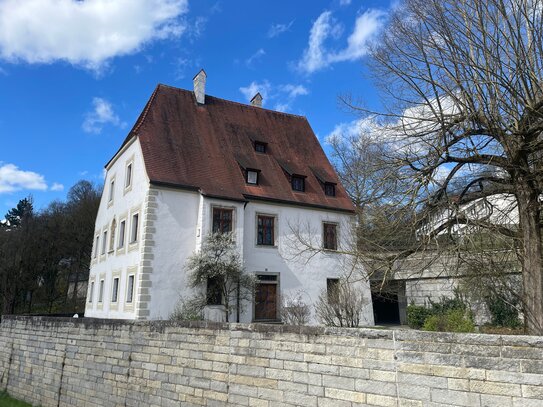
<point x="104" y="243"/>
<point x="222" y="209"/>
<point x="253" y="171"/>
<point x="128" y="175"/>
<point x="122" y="234"/>
<point x="115" y="290"/>
<point x="134" y="227"/>
<point x="101" y="291"/>
<point x="331" y="185"/>
<point x="97" y="245"/>
<point x="263" y="146"/>
<point x="130" y="288"/>
<point x="332" y="284"/>
<point x="91" y="292"/>
<point x="217" y="296"/>
<point x="294" y="178"/>
<point x="111" y="194"/>
<point x="273" y="218"/>
<point x="325" y="241"/>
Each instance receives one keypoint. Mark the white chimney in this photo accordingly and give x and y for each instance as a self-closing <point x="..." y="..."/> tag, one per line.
<point x="199" y="82"/>
<point x="257" y="100"/>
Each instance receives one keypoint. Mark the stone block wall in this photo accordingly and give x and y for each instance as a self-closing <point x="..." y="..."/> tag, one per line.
<point x="89" y="362"/>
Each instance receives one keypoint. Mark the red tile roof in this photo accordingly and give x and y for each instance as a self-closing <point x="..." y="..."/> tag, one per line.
<point x="206" y="147"/>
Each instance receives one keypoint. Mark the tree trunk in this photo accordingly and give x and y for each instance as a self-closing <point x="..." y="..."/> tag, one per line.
<point x="529" y="218"/>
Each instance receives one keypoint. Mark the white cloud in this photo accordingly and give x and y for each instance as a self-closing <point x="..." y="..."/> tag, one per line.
<point x="354" y="128"/>
<point x="255" y="57"/>
<point x="278" y="29"/>
<point x="344" y="2"/>
<point x="13" y="179"/>
<point x="84" y="33"/>
<point x="318" y="56"/>
<point x="57" y="187"/>
<point x="314" y="56"/>
<point x="253" y="88"/>
<point x="294" y="90"/>
<point x="101" y="115"/>
<point x="283" y="95"/>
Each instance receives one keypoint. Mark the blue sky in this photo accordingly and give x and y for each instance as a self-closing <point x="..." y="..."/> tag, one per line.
<point x="74" y="75"/>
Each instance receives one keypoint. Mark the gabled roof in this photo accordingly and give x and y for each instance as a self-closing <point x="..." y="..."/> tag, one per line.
<point x="205" y="147"/>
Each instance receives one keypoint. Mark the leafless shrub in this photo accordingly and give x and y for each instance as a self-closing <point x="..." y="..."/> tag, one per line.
<point x="191" y="309"/>
<point x="294" y="310"/>
<point x="340" y="306"/>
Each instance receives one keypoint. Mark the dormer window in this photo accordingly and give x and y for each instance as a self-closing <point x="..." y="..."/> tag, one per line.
<point x="260" y="147"/>
<point x="252" y="177"/>
<point x="329" y="189"/>
<point x="298" y="183"/>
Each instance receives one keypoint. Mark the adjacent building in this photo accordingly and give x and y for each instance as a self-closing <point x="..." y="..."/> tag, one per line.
<point x="194" y="164"/>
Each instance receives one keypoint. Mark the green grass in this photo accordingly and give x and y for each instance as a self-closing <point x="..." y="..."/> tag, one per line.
<point x="7" y="401"/>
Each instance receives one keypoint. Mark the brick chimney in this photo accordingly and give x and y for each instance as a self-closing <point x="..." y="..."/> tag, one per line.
<point x="257" y="100"/>
<point x="199" y="82"/>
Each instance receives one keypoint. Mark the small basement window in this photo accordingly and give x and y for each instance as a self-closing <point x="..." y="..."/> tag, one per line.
<point x="252" y="177"/>
<point x="260" y="147"/>
<point x="298" y="183"/>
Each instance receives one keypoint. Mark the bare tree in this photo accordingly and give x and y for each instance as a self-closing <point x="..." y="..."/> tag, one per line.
<point x="462" y="82"/>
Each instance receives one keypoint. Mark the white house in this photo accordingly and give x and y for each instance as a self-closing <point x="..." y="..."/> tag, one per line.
<point x="193" y="164"/>
<point x="498" y="209"/>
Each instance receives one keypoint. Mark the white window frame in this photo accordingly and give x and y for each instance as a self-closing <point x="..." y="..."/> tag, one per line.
<point x="122" y="234"/>
<point x="134" y="228"/>
<point x="97" y="246"/>
<point x="128" y="174"/>
<point x="91" y="291"/>
<point x="111" y="195"/>
<point x="252" y="177"/>
<point x="129" y="289"/>
<point x="115" y="290"/>
<point x="104" y="243"/>
<point x="101" y="291"/>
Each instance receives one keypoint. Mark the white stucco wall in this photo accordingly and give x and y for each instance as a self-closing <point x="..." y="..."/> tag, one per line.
<point x="174" y="240"/>
<point x="185" y="217"/>
<point x="119" y="262"/>
<point x="301" y="269"/>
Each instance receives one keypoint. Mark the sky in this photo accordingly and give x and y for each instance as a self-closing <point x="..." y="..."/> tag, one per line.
<point x="75" y="74"/>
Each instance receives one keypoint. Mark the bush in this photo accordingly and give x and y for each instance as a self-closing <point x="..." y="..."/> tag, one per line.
<point x="294" y="310"/>
<point x="454" y="320"/>
<point x="445" y="315"/>
<point x="343" y="306"/>
<point x="188" y="310"/>
<point x="416" y="315"/>
<point x="446" y="304"/>
<point x="503" y="313"/>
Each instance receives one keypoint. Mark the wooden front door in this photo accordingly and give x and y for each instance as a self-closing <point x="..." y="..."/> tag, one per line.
<point x="266" y="302"/>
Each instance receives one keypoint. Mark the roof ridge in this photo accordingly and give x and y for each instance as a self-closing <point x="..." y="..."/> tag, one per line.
<point x="237" y="103"/>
